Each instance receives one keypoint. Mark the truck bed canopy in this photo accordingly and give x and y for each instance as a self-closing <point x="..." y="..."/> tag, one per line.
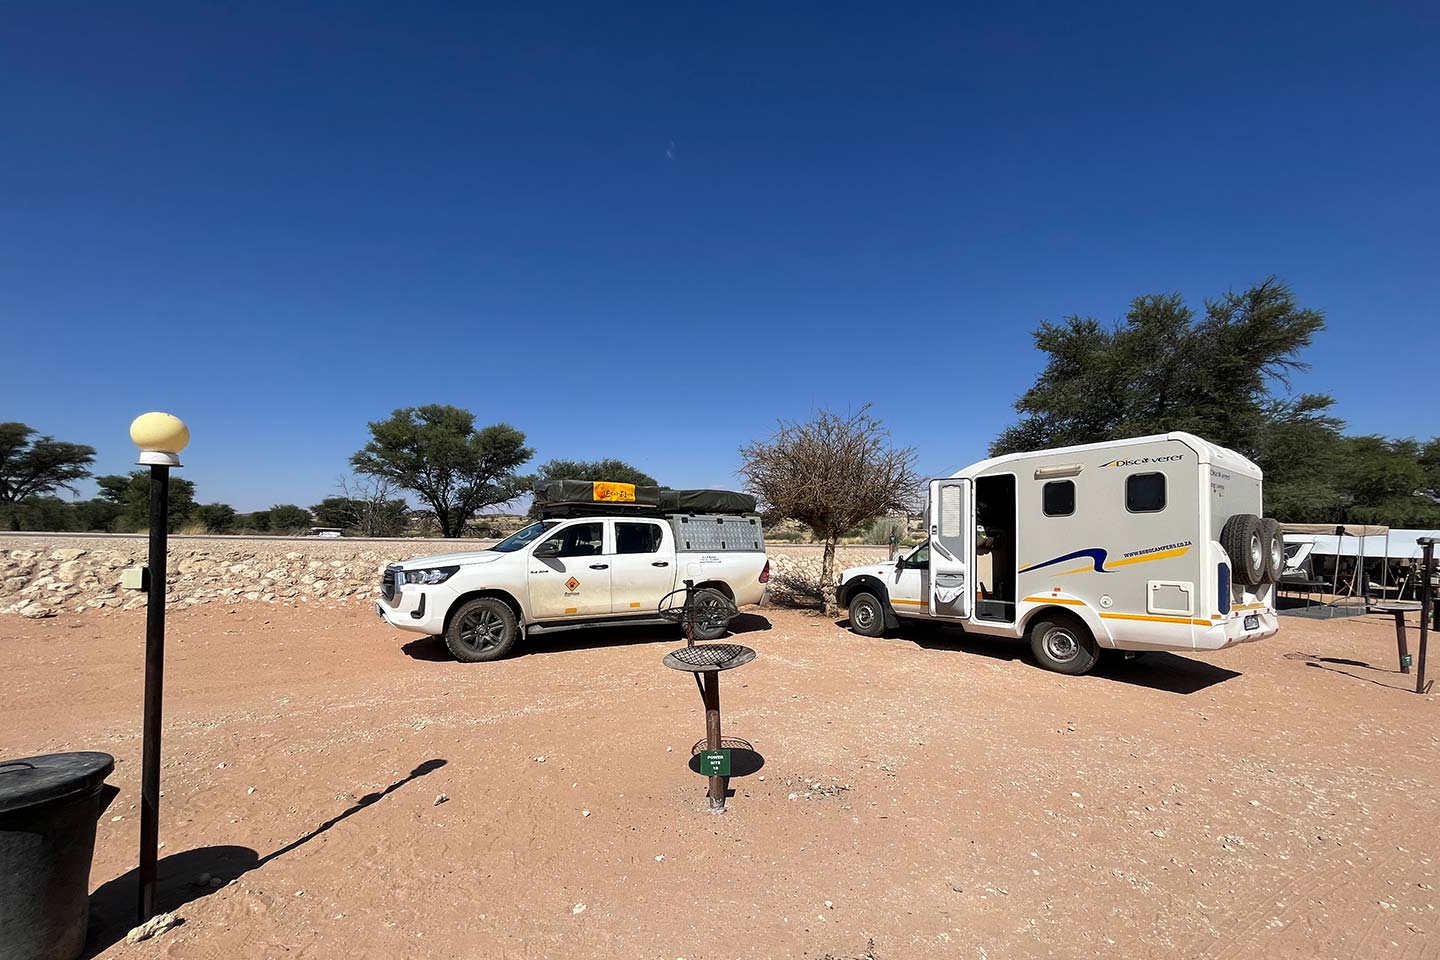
<point x="554" y="496"/>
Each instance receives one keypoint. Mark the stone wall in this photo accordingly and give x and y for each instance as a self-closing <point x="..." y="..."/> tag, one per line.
<point x="44" y="575"/>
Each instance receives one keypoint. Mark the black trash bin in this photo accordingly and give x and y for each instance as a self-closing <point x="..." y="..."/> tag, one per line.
<point x="48" y="809"/>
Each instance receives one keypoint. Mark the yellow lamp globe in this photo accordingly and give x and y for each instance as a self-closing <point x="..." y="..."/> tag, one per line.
<point x="160" y="437"/>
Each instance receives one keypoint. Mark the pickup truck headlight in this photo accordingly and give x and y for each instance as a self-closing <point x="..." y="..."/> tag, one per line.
<point x="428" y="575"/>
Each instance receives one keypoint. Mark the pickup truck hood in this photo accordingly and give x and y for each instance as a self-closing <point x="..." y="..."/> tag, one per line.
<point x="452" y="559"/>
<point x="875" y="570"/>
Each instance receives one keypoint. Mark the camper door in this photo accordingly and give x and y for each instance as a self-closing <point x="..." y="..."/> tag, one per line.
<point x="951" y="532"/>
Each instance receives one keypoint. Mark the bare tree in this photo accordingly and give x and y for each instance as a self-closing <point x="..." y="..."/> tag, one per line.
<point x="832" y="473"/>
<point x="366" y="506"/>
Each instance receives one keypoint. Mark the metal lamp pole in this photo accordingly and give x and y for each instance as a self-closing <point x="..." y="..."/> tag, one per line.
<point x="160" y="438"/>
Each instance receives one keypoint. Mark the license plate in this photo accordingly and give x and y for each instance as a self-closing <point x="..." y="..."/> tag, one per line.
<point x="1252" y="622"/>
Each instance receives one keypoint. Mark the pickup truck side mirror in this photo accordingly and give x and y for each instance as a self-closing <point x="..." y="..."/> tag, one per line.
<point x="899" y="564"/>
<point x="550" y="548"/>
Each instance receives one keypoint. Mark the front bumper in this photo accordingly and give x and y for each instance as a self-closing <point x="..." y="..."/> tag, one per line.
<point x="417" y="607"/>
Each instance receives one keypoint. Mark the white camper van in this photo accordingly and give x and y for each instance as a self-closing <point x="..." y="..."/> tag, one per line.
<point x="1154" y="543"/>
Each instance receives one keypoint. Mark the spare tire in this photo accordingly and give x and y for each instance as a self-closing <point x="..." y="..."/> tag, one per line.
<point x="1242" y="540"/>
<point x="1274" y="542"/>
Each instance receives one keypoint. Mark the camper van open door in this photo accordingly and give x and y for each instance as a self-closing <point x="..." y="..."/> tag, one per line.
<point x="951" y="530"/>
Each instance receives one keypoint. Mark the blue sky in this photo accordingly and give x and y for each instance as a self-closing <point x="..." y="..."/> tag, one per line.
<point x="648" y="231"/>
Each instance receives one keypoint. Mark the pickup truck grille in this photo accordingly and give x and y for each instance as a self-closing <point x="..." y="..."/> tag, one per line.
<point x="388" y="581"/>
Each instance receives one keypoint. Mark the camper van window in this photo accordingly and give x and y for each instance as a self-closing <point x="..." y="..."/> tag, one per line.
<point x="1145" y="492"/>
<point x="1058" y="498"/>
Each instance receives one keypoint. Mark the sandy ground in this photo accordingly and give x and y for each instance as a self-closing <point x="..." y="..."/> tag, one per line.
<point x="932" y="795"/>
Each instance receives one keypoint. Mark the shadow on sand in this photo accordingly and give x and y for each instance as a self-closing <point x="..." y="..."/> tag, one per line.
<point x="113" y="904"/>
<point x="1167" y="672"/>
<point x="432" y="649"/>
<point x="1333" y="665"/>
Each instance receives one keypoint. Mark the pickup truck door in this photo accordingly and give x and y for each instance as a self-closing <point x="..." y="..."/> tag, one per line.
<point x="642" y="565"/>
<point x="951" y="534"/>
<point x="573" y="580"/>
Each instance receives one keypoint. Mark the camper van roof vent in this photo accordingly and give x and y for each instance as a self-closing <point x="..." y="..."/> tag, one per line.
<point x="1060" y="470"/>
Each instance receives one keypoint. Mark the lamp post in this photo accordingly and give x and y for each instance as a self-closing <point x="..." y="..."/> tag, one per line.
<point x="160" y="438"/>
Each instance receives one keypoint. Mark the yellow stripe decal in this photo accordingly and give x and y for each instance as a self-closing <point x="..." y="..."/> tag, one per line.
<point x="635" y="604"/>
<point x="1067" y="602"/>
<point x="1249" y="606"/>
<point x="910" y="603"/>
<point x="1162" y="555"/>
<point x="1147" y="617"/>
<point x="571" y="610"/>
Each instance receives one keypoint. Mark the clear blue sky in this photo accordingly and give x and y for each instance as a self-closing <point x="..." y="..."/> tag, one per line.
<point x="648" y="231"/>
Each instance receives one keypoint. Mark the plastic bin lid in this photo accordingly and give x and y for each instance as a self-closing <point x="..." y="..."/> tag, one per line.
<point x="34" y="780"/>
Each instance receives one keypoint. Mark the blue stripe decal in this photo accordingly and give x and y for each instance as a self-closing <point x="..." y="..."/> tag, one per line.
<point x="1096" y="555"/>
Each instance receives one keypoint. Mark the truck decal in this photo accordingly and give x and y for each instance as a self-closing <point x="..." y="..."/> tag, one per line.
<point x="1099" y="555"/>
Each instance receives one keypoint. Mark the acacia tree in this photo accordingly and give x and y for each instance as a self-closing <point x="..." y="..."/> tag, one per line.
<point x="832" y="473"/>
<point x="436" y="452"/>
<point x="1165" y="368"/>
<point x="35" y="467"/>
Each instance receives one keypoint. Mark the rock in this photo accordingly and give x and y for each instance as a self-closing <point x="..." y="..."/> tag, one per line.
<point x="201" y="881"/>
<point x="578" y="909"/>
<point x="155" y="925"/>
<point x="66" y="554"/>
<point x="36" y="611"/>
<point x="440" y="798"/>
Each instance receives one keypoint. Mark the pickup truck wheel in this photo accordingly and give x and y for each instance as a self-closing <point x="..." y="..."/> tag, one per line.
<point x="1063" y="645"/>
<point x="483" y="629"/>
<point x="710" y="609"/>
<point x="867" y="616"/>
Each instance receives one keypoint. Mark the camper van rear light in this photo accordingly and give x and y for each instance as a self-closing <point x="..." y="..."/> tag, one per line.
<point x="1060" y="470"/>
<point x="1224" y="579"/>
<point x="765" y="573"/>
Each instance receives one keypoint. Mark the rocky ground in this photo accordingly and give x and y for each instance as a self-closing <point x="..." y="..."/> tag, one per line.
<point x="335" y="789"/>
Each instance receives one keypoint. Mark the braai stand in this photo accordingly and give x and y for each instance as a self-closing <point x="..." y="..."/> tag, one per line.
<point x="705" y="662"/>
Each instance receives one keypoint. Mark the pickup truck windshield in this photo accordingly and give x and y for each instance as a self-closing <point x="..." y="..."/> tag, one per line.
<point x="520" y="538"/>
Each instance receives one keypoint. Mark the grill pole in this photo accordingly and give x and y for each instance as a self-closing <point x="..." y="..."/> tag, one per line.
<point x="711" y="694"/>
<point x="154" y="683"/>
<point x="1427" y="600"/>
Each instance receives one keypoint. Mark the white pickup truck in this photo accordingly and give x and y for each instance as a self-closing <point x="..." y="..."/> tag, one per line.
<point x="581" y="571"/>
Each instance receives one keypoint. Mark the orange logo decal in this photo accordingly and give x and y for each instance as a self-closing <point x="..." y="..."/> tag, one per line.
<point x="613" y="492"/>
<point x="571" y="584"/>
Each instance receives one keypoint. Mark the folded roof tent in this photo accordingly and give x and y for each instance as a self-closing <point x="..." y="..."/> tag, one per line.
<point x="559" y="497"/>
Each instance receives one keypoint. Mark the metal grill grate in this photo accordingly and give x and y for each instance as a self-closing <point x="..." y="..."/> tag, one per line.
<point x="705" y="657"/>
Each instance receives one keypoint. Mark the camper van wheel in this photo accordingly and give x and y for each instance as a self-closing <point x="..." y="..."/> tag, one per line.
<point x="1242" y="540"/>
<point x="867" y="616"/>
<point x="1274" y="542"/>
<point x="1063" y="645"/>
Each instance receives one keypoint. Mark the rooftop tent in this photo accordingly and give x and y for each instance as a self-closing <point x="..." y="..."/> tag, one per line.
<point x="625" y="497"/>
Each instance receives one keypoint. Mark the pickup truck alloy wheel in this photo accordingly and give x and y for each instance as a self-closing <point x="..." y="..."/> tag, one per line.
<point x="481" y="630"/>
<point x="1063" y="646"/>
<point x="711" y="622"/>
<point x="866" y="617"/>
